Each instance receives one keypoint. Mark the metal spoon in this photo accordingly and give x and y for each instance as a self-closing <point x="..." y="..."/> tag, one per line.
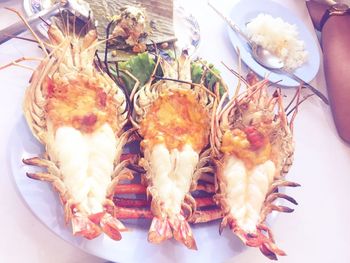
<point x="266" y="58"/>
<point x="272" y="62"/>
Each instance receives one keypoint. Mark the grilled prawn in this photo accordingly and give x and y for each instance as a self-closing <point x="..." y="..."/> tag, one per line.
<point x="78" y="114"/>
<point x="252" y="146"/>
<point x="173" y="118"/>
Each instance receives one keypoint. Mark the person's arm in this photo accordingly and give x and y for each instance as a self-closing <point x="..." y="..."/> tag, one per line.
<point x="335" y="41"/>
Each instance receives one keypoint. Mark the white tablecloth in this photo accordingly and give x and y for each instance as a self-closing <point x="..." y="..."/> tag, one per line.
<point x="318" y="230"/>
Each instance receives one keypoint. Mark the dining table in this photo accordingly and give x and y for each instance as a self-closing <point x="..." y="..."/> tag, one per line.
<point x="317" y="231"/>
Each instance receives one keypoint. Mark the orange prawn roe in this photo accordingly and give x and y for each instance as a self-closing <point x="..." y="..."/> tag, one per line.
<point x="249" y="145"/>
<point x="81" y="104"/>
<point x="176" y="118"/>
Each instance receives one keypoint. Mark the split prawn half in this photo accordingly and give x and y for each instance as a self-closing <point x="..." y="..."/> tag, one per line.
<point x="252" y="143"/>
<point x="78" y="113"/>
<point x="172" y="115"/>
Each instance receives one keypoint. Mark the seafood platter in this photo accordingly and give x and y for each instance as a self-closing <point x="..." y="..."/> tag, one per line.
<point x="153" y="144"/>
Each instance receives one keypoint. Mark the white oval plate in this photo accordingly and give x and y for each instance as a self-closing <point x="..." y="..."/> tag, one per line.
<point x="134" y="247"/>
<point x="245" y="11"/>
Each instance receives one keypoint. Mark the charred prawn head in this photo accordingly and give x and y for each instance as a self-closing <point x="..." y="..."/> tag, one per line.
<point x="173" y="118"/>
<point x="78" y="113"/>
<point x="253" y="147"/>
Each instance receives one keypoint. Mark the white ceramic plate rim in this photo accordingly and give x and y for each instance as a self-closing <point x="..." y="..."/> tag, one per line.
<point x="134" y="247"/>
<point x="43" y="201"/>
